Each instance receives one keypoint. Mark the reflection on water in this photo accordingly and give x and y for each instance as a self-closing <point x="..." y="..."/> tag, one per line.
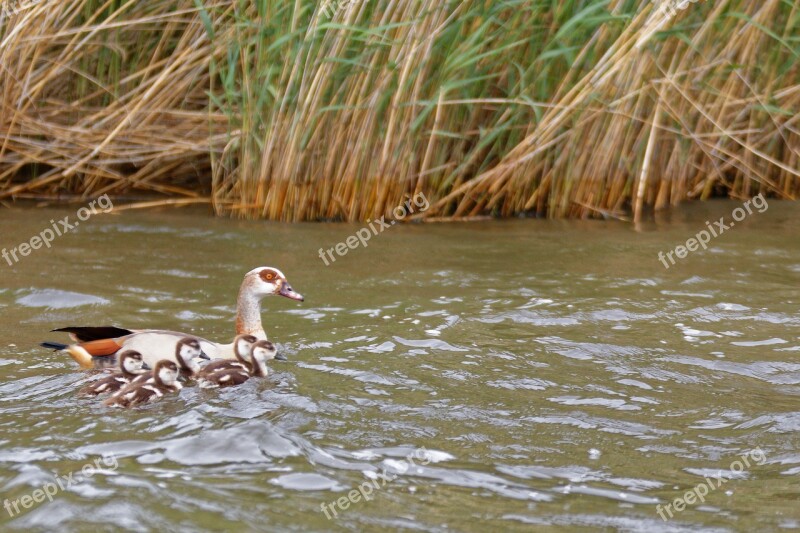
<point x="553" y="373"/>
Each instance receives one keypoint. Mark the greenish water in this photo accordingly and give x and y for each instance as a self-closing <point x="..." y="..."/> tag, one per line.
<point x="557" y="376"/>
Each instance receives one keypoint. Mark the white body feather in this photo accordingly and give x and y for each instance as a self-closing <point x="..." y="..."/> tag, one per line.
<point x="156" y="345"/>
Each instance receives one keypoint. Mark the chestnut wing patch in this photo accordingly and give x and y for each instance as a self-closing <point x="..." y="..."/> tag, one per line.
<point x="101" y="348"/>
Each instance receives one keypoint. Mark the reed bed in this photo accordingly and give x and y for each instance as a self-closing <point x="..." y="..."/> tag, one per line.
<point x="304" y="111"/>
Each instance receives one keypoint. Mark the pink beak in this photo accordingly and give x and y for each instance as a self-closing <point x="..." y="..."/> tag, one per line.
<point x="289" y="292"/>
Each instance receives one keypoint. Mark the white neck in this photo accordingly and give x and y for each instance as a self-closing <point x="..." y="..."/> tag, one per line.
<point x="248" y="314"/>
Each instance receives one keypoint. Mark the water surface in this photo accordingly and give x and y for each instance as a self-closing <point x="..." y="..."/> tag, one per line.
<point x="547" y="373"/>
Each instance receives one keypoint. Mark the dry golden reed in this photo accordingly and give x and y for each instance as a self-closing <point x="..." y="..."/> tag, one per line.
<point x="341" y="110"/>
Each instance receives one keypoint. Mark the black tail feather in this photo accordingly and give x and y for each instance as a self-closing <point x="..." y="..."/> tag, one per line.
<point x="87" y="334"/>
<point x="53" y="345"/>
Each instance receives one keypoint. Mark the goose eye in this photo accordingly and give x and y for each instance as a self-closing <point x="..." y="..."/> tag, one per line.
<point x="268" y="275"/>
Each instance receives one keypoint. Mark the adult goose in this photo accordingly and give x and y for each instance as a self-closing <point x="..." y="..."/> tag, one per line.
<point x="156" y="345"/>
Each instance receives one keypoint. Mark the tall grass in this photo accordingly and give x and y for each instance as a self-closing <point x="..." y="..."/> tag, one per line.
<point x="105" y="97"/>
<point x="273" y="109"/>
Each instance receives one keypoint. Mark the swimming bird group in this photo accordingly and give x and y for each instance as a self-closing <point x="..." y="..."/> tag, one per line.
<point x="147" y="386"/>
<point x="151" y="362"/>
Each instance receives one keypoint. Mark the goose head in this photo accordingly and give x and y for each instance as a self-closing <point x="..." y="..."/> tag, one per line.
<point x="166" y="373"/>
<point x="131" y="362"/>
<point x="186" y="351"/>
<point x="266" y="281"/>
<point x="262" y="352"/>
<point x="242" y="345"/>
